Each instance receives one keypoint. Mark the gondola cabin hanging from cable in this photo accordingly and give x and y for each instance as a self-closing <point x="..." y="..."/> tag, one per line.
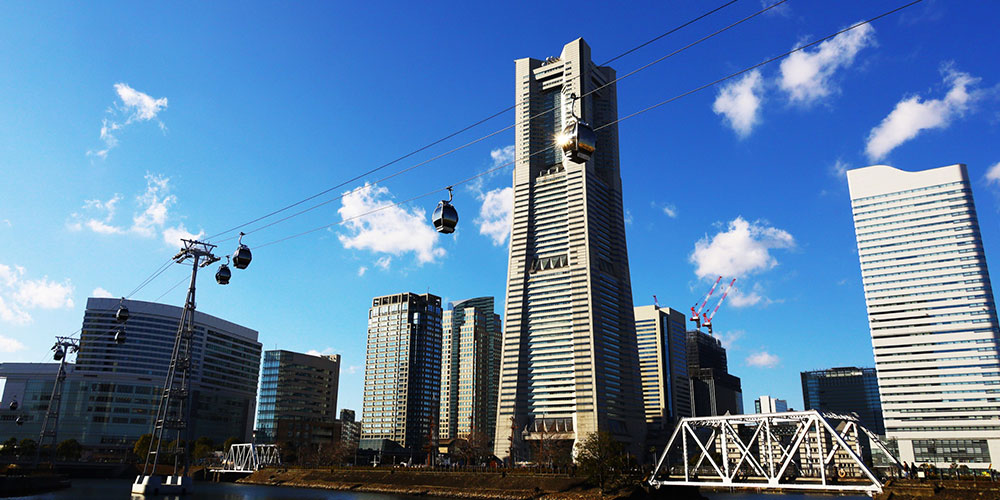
<point x="577" y="140"/>
<point x="223" y="274"/>
<point x="120" y="337"/>
<point x="242" y="255"/>
<point x="445" y="215"/>
<point x="122" y="315"/>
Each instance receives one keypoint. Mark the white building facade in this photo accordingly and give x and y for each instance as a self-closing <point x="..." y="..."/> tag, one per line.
<point x="931" y="313"/>
<point x="570" y="362"/>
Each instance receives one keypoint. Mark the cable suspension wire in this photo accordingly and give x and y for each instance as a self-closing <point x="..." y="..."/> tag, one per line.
<point x="480" y="122"/>
<point x="185" y="278"/>
<point x="509" y="127"/>
<point x="615" y="122"/>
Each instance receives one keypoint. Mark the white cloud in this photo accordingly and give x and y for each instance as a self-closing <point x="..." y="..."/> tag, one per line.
<point x="744" y="248"/>
<point x="153" y="212"/>
<point x="362" y="270"/>
<point x="740" y="298"/>
<point x="17" y="295"/>
<point x="173" y="235"/>
<point x="993" y="174"/>
<point x="392" y="230"/>
<point x="44" y="294"/>
<point x="670" y="210"/>
<point x="496" y="214"/>
<point x="806" y="75"/>
<point x="100" y="292"/>
<point x="502" y="156"/>
<point x="8" y="344"/>
<point x="155" y="204"/>
<point x="352" y="369"/>
<point x="762" y="359"/>
<point x="101" y="223"/>
<point x="628" y="217"/>
<point x="12" y="314"/>
<point x="134" y="107"/>
<point x="839" y="168"/>
<point x="325" y="352"/>
<point x="383" y="263"/>
<point x="739" y="103"/>
<point x="913" y="114"/>
<point x="729" y="339"/>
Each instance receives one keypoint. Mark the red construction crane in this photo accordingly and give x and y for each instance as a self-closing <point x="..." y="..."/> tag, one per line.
<point x="708" y="319"/>
<point x="696" y="315"/>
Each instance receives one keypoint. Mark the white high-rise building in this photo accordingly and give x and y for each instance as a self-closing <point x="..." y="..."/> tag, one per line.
<point x="570" y="364"/>
<point x="931" y="313"/>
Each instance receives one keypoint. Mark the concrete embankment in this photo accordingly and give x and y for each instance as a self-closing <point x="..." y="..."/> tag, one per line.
<point x="979" y="489"/>
<point x="470" y="485"/>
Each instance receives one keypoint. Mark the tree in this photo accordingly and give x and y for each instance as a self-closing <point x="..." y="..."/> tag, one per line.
<point x="474" y="448"/>
<point x="27" y="446"/>
<point x="229" y="442"/>
<point x="203" y="447"/>
<point x="10" y="446"/>
<point x="142" y="446"/>
<point x="602" y="459"/>
<point x="69" y="449"/>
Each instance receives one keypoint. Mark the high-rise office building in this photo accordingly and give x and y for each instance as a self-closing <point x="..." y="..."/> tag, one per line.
<point x="931" y="313"/>
<point x="298" y="398"/>
<point x="845" y="390"/>
<point x="113" y="390"/>
<point x="470" y="369"/>
<point x="714" y="391"/>
<point x="768" y="404"/>
<point x="661" y="334"/>
<point x="402" y="373"/>
<point x="350" y="430"/>
<point x="570" y="364"/>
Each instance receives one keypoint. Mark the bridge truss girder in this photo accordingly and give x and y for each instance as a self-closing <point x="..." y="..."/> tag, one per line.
<point x="249" y="457"/>
<point x="771" y="451"/>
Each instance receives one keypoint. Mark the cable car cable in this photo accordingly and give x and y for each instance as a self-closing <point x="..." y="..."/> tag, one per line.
<point x="492" y="134"/>
<point x="631" y="115"/>
<point x="480" y="122"/>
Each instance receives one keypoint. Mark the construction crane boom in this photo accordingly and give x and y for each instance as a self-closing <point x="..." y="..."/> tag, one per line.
<point x="696" y="315"/>
<point x="708" y="318"/>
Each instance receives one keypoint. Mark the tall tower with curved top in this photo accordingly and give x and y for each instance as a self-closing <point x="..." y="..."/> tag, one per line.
<point x="569" y="363"/>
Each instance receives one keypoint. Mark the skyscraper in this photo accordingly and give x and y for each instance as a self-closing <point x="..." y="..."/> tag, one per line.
<point x="570" y="364"/>
<point x="845" y="390"/>
<point x="470" y="369"/>
<point x="661" y="336"/>
<point x="769" y="404"/>
<point x="713" y="390"/>
<point x="402" y="373"/>
<point x="298" y="398"/>
<point x="931" y="312"/>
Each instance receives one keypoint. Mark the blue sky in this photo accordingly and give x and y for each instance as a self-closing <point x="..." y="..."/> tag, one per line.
<point x="124" y="125"/>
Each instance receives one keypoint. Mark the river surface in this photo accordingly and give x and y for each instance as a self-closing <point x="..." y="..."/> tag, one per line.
<point x="112" y="489"/>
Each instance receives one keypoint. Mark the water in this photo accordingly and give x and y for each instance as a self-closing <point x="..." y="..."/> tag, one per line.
<point x="105" y="489"/>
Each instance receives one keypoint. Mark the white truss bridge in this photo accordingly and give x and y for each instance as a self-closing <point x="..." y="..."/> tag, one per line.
<point x="248" y="457"/>
<point x="800" y="450"/>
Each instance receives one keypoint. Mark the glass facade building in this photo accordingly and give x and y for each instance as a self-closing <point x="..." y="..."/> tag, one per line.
<point x="570" y="363"/>
<point x="661" y="337"/>
<point x="298" y="394"/>
<point x="713" y="390"/>
<point x="845" y="390"/>
<point x="111" y="394"/>
<point x="931" y="312"/>
<point x="768" y="404"/>
<point x="402" y="373"/>
<point x="470" y="369"/>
